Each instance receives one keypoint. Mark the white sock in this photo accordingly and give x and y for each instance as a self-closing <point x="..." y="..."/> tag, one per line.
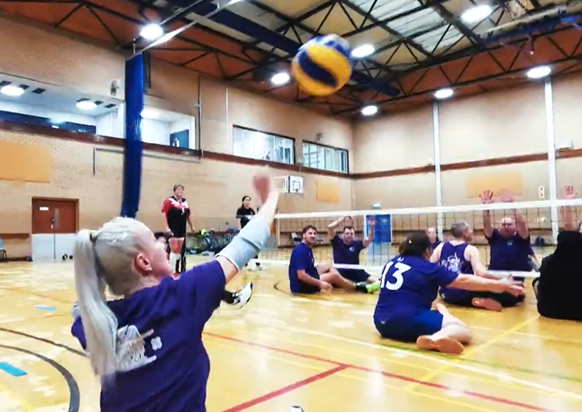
<point x="174" y="259"/>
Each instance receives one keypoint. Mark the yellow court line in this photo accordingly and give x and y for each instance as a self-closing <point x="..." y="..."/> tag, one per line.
<point x="344" y="374"/>
<point x="534" y="335"/>
<point x="472" y="351"/>
<point x="476" y="378"/>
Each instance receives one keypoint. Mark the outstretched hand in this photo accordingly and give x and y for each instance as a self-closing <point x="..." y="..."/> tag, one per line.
<point x="263" y="185"/>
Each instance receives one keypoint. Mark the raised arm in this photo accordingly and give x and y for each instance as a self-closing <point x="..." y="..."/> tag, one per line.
<point x="568" y="211"/>
<point x="254" y="236"/>
<point x="520" y="222"/>
<point x="333" y="226"/>
<point x="487" y="199"/>
<point x="370" y="238"/>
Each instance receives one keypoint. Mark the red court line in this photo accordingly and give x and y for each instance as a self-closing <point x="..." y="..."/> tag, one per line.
<point x="344" y="366"/>
<point x="286" y="389"/>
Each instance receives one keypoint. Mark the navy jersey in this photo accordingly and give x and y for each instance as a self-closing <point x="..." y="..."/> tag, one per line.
<point x="161" y="360"/>
<point x="509" y="253"/>
<point x="409" y="284"/>
<point x="301" y="259"/>
<point x="344" y="253"/>
<point x="453" y="258"/>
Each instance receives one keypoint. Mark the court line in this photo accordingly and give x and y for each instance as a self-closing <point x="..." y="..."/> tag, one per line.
<point x="254" y="344"/>
<point x="474" y="350"/>
<point x="384" y="373"/>
<point x="74" y="394"/>
<point x="286" y="389"/>
<point x="489" y="381"/>
<point x="343" y="374"/>
<point x="425" y="357"/>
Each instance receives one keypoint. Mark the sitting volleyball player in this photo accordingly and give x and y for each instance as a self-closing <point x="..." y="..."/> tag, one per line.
<point x="305" y="277"/>
<point x="459" y="256"/>
<point x="147" y="346"/>
<point x="408" y="287"/>
<point x="346" y="249"/>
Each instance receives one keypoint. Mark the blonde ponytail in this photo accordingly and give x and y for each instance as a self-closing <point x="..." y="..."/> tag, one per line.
<point x="99" y="322"/>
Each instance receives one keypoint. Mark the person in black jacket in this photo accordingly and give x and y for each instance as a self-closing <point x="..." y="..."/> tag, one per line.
<point x="245" y="213"/>
<point x="559" y="286"/>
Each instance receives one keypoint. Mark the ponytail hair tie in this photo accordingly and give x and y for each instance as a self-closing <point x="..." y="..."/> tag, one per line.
<point x="93" y="236"/>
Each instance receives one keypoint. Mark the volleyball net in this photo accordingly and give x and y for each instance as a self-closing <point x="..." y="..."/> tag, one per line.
<point x="544" y="219"/>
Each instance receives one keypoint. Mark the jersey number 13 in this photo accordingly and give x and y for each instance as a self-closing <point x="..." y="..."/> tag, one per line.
<point x="392" y="275"/>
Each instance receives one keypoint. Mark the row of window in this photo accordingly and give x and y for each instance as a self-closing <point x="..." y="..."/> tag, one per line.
<point x="265" y="146"/>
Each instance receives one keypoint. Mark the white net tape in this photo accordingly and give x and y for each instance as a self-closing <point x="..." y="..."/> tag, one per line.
<point x="545" y="219"/>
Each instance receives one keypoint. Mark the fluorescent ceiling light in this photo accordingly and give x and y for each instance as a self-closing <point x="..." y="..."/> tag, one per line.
<point x="477" y="13"/>
<point x="443" y="93"/>
<point x="363" y="51"/>
<point x="86" y="105"/>
<point x="152" y="31"/>
<point x="370" y="110"/>
<point x="13" y="91"/>
<point x="539" y="72"/>
<point x="280" y="79"/>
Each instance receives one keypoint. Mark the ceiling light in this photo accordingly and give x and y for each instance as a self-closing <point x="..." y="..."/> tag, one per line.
<point x="539" y="72"/>
<point x="152" y="31"/>
<point x="363" y="51"/>
<point x="370" y="110"/>
<point x="477" y="13"/>
<point x="86" y="105"/>
<point x="149" y="113"/>
<point x="13" y="91"/>
<point x="280" y="79"/>
<point x="443" y="93"/>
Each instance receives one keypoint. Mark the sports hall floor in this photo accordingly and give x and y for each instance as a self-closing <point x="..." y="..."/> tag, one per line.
<point x="321" y="353"/>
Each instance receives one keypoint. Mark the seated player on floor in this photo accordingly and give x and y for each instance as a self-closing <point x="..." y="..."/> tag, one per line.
<point x="306" y="278"/>
<point x="459" y="256"/>
<point x="510" y="244"/>
<point x="409" y="285"/>
<point x="346" y="249"/>
<point x="560" y="283"/>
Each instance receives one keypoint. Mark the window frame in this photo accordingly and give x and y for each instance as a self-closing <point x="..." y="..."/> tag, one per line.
<point x="275" y="136"/>
<point x="337" y="150"/>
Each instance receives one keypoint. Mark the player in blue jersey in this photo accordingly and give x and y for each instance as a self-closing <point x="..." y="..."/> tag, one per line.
<point x="459" y="256"/>
<point x="409" y="285"/>
<point x="306" y="277"/>
<point x="510" y="243"/>
<point x="346" y="249"/>
<point x="147" y="346"/>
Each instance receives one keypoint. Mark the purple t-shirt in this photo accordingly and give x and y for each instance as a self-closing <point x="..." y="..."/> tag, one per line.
<point x="301" y="259"/>
<point x="509" y="253"/>
<point x="348" y="254"/>
<point x="409" y="285"/>
<point x="163" y="365"/>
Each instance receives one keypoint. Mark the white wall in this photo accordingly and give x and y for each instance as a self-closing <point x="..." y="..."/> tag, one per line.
<point x="111" y="124"/>
<point x="154" y="131"/>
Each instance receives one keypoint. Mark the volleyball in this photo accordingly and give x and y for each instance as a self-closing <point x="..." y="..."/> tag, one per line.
<point x="322" y="66"/>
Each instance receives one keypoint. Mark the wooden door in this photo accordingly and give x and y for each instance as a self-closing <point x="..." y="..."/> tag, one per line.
<point x="52" y="216"/>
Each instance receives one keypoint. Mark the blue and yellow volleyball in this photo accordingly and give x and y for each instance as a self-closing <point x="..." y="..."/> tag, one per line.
<point x="322" y="66"/>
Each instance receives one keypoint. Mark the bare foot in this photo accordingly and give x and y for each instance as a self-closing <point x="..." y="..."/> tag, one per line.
<point x="444" y="345"/>
<point x="486" y="303"/>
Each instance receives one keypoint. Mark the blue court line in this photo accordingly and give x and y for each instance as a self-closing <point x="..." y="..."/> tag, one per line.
<point x="47" y="308"/>
<point x="11" y="370"/>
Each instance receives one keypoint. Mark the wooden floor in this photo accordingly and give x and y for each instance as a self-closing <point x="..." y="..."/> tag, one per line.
<point x="321" y="353"/>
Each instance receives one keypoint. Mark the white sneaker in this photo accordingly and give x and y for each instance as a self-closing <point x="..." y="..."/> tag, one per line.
<point x="243" y="296"/>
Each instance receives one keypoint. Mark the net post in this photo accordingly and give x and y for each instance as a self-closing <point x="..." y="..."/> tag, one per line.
<point x="551" y="148"/>
<point x="437" y="165"/>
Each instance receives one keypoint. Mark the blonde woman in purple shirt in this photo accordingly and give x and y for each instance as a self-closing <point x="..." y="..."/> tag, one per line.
<point x="147" y="346"/>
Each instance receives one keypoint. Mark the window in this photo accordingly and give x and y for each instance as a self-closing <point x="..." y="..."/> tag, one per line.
<point x="325" y="158"/>
<point x="263" y="146"/>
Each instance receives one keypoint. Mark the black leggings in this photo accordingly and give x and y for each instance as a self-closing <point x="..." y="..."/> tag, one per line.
<point x="466" y="299"/>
